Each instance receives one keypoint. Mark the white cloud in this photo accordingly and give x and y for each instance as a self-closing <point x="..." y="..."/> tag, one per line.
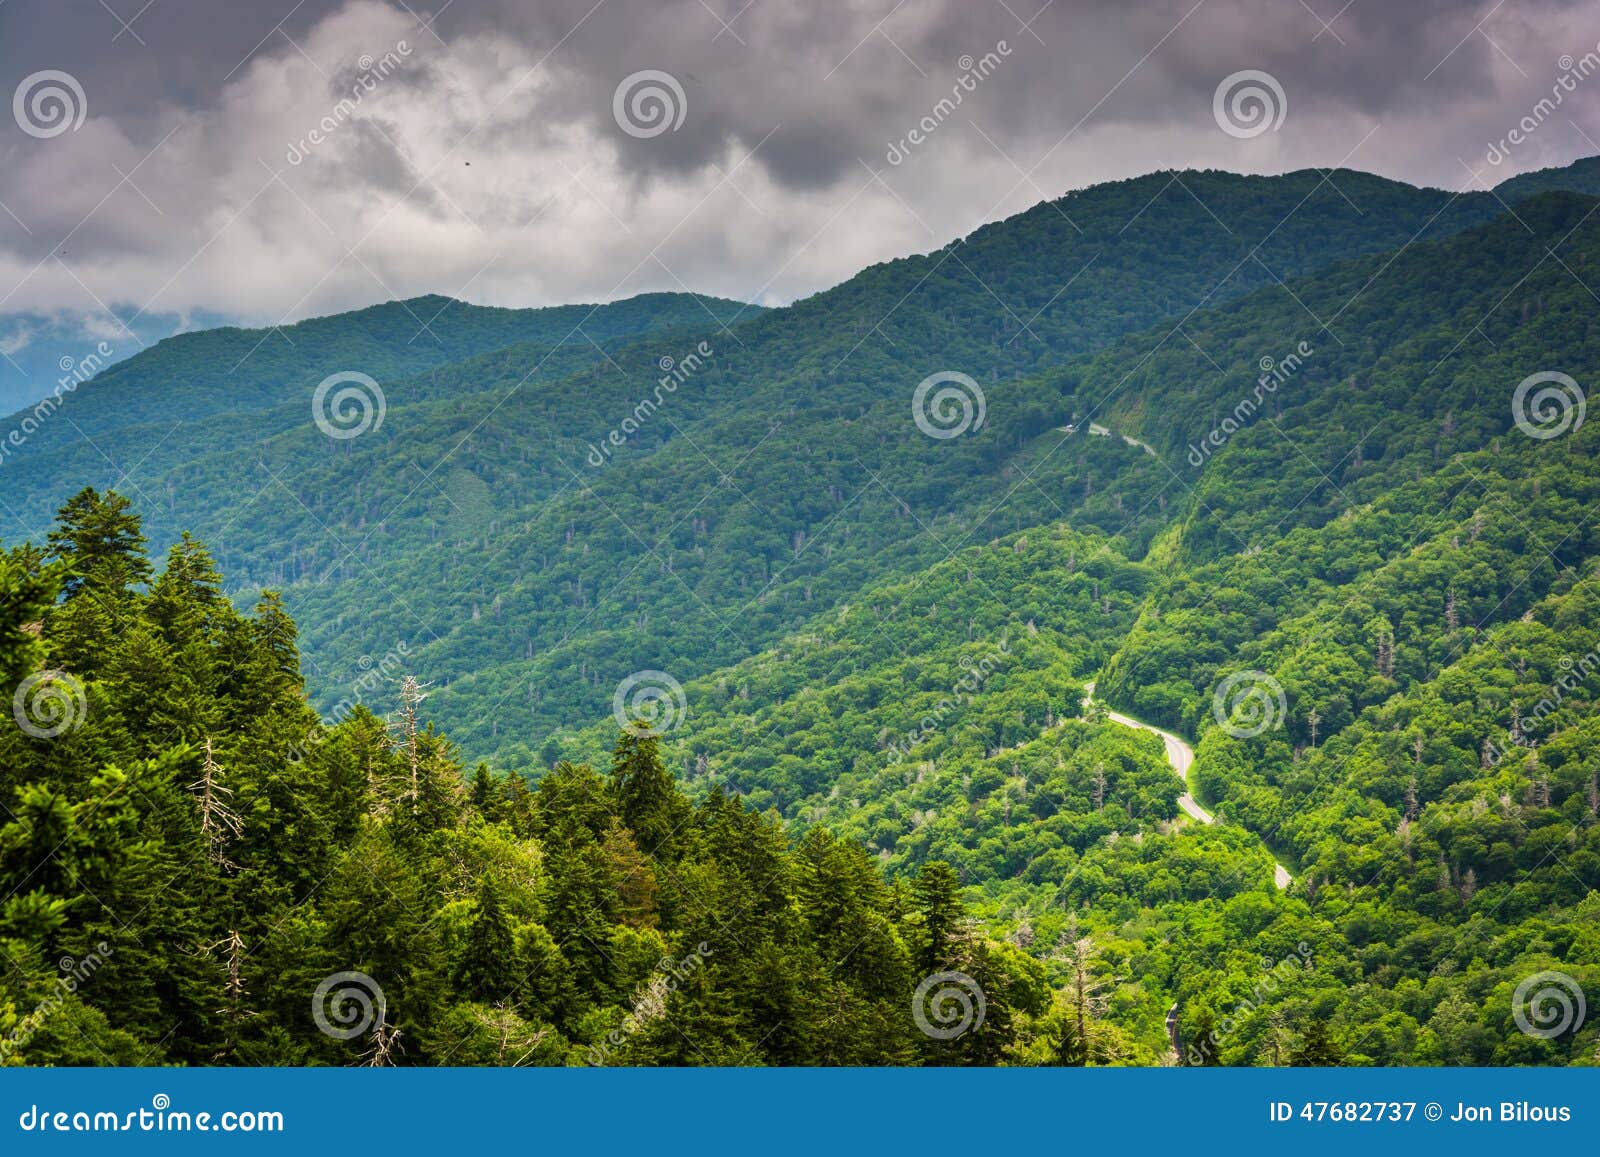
<point x="20" y="337"/>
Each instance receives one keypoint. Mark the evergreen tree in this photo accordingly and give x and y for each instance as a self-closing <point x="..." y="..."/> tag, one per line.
<point x="27" y="588"/>
<point x="937" y="897"/>
<point x="647" y="799"/>
<point x="488" y="965"/>
<point x="635" y="876"/>
<point x="1316" y="1047"/>
<point x="100" y="548"/>
<point x="100" y="540"/>
<point x="483" y="794"/>
<point x="186" y="601"/>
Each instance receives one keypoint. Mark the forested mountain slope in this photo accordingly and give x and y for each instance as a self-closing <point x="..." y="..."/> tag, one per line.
<point x="1404" y="437"/>
<point x="1582" y="176"/>
<point x="211" y="395"/>
<point x="224" y="871"/>
<point x="236" y="371"/>
<point x="1387" y="558"/>
<point x="712" y="521"/>
<point x="1402" y="572"/>
<point x="371" y="542"/>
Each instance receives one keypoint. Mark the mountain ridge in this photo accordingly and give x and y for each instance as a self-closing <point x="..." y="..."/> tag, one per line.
<point x="489" y="449"/>
<point x="1370" y="604"/>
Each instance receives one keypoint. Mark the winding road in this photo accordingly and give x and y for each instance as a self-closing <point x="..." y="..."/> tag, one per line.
<point x="1104" y="432"/>
<point x="1181" y="756"/>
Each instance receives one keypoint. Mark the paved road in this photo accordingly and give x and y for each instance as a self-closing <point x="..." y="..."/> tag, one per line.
<point x="1181" y="756"/>
<point x="1104" y="432"/>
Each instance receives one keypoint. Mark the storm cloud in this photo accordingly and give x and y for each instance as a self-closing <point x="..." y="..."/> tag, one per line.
<point x="267" y="161"/>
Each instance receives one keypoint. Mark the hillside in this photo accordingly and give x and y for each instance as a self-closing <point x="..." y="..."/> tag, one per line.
<point x="1418" y="601"/>
<point x="472" y="527"/>
<point x="227" y="394"/>
<point x="1581" y="176"/>
<point x="230" y="371"/>
<point x="181" y="823"/>
<point x="1258" y="458"/>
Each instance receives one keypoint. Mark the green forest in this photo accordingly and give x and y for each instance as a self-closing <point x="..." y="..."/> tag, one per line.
<point x="199" y="844"/>
<point x="324" y="753"/>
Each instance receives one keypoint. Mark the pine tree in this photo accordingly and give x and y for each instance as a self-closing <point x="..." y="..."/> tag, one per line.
<point x="582" y="904"/>
<point x="99" y="547"/>
<point x="487" y="971"/>
<point x="101" y="543"/>
<point x="635" y="876"/>
<point x="646" y="797"/>
<point x="186" y="602"/>
<point x="937" y="892"/>
<point x="483" y="794"/>
<point x="27" y="588"/>
<point x="1316" y="1048"/>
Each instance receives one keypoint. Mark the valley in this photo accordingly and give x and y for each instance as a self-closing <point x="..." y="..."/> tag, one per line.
<point x="1181" y="756"/>
<point x="876" y="692"/>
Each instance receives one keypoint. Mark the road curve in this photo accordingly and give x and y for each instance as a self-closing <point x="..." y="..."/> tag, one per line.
<point x="1181" y="756"/>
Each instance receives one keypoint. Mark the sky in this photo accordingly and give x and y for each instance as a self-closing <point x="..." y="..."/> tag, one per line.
<point x="170" y="163"/>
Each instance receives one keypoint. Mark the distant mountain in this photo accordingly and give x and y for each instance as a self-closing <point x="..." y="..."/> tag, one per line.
<point x="774" y="481"/>
<point x="1297" y="467"/>
<point x="238" y="371"/>
<point x="223" y="392"/>
<point x="1579" y="177"/>
<point x="38" y="352"/>
<point x="779" y="480"/>
<point x="1386" y="477"/>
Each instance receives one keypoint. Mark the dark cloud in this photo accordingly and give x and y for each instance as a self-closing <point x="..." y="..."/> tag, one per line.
<point x="488" y="163"/>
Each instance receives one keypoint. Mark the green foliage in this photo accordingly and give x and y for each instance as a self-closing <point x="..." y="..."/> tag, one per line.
<point x="885" y="772"/>
<point x="219" y="873"/>
<point x="770" y="485"/>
